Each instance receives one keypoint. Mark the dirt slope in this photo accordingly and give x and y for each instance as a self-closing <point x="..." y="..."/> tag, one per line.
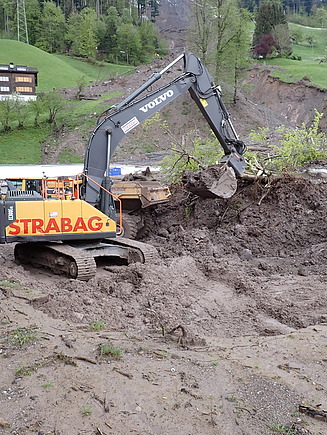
<point x="296" y="102"/>
<point x="225" y="333"/>
<point x="262" y="102"/>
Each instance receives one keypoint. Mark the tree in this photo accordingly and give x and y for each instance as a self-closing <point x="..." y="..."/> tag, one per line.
<point x="240" y="59"/>
<point x="227" y="34"/>
<point x="201" y="29"/>
<point x="33" y="19"/>
<point x="53" y="103"/>
<point x="126" y="16"/>
<point x="282" y="37"/>
<point x="297" y="35"/>
<point x="81" y="83"/>
<point x="265" y="46"/>
<point x="21" y="111"/>
<point x="147" y="10"/>
<point x="7" y="7"/>
<point x="270" y="14"/>
<point x="108" y="39"/>
<point x="154" y="7"/>
<point x="82" y="33"/>
<point x="7" y="113"/>
<point x="37" y="107"/>
<point x="120" y="5"/>
<point x="311" y="41"/>
<point x="148" y="38"/>
<point x="53" y="29"/>
<point x="320" y="17"/>
<point x="129" y="43"/>
<point x="73" y="28"/>
<point x="220" y="33"/>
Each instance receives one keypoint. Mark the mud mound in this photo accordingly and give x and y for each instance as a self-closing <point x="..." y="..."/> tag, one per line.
<point x="241" y="266"/>
<point x="276" y="218"/>
<point x="216" y="333"/>
<point x="267" y="243"/>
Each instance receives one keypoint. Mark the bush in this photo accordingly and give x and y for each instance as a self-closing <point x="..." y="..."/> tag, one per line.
<point x="300" y="146"/>
<point x="294" y="57"/>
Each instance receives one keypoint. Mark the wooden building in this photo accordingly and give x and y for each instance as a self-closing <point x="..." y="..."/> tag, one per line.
<point x="18" y="81"/>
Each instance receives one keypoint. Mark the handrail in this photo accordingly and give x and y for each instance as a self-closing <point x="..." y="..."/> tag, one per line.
<point x="59" y="187"/>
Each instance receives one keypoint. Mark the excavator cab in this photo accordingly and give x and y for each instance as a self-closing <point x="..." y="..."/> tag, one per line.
<point x="59" y="188"/>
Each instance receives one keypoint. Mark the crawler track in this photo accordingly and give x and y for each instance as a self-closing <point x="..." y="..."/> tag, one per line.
<point x="79" y="262"/>
<point x="138" y="251"/>
<point x="60" y="258"/>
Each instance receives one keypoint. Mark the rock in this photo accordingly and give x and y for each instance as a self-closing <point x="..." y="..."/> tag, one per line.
<point x="163" y="233"/>
<point x="245" y="254"/>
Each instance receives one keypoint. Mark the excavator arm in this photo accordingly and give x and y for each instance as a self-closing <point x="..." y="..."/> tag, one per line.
<point x="118" y="121"/>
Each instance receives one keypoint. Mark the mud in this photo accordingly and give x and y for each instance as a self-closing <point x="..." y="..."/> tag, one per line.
<point x="225" y="334"/>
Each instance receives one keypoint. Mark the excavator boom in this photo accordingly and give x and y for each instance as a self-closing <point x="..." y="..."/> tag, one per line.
<point x="118" y="121"/>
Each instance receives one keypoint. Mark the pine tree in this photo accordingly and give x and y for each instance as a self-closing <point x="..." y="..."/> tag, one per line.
<point x="269" y="15"/>
<point x="52" y="31"/>
<point x="271" y="20"/>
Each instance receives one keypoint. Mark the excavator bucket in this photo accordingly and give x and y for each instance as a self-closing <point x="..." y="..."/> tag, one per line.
<point x="216" y="181"/>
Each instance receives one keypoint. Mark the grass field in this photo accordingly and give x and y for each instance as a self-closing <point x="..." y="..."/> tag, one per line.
<point x="55" y="71"/>
<point x="309" y="65"/>
<point x="23" y="146"/>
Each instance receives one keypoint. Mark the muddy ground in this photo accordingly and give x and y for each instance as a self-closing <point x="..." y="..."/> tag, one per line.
<point x="224" y="333"/>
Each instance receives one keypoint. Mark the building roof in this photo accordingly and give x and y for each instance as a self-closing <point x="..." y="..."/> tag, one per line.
<point x="18" y="68"/>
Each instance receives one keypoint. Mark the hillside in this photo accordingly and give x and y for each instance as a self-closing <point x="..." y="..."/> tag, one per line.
<point x="173" y="23"/>
<point x="263" y="102"/>
<point x="55" y="72"/>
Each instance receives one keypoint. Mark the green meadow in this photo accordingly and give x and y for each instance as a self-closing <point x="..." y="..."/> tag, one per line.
<point x="56" y="71"/>
<point x="313" y="63"/>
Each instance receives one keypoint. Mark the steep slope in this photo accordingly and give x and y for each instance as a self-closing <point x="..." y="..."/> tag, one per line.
<point x="50" y="68"/>
<point x="173" y="22"/>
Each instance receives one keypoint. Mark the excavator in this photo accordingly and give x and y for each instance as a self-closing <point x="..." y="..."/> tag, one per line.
<point x="68" y="224"/>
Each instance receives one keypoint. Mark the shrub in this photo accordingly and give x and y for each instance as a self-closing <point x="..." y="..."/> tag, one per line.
<point x="300" y="146"/>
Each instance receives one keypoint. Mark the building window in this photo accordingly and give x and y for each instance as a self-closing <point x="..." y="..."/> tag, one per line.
<point x="4" y="79"/>
<point x="4" y="89"/>
<point x="23" y="79"/>
<point x="24" y="89"/>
